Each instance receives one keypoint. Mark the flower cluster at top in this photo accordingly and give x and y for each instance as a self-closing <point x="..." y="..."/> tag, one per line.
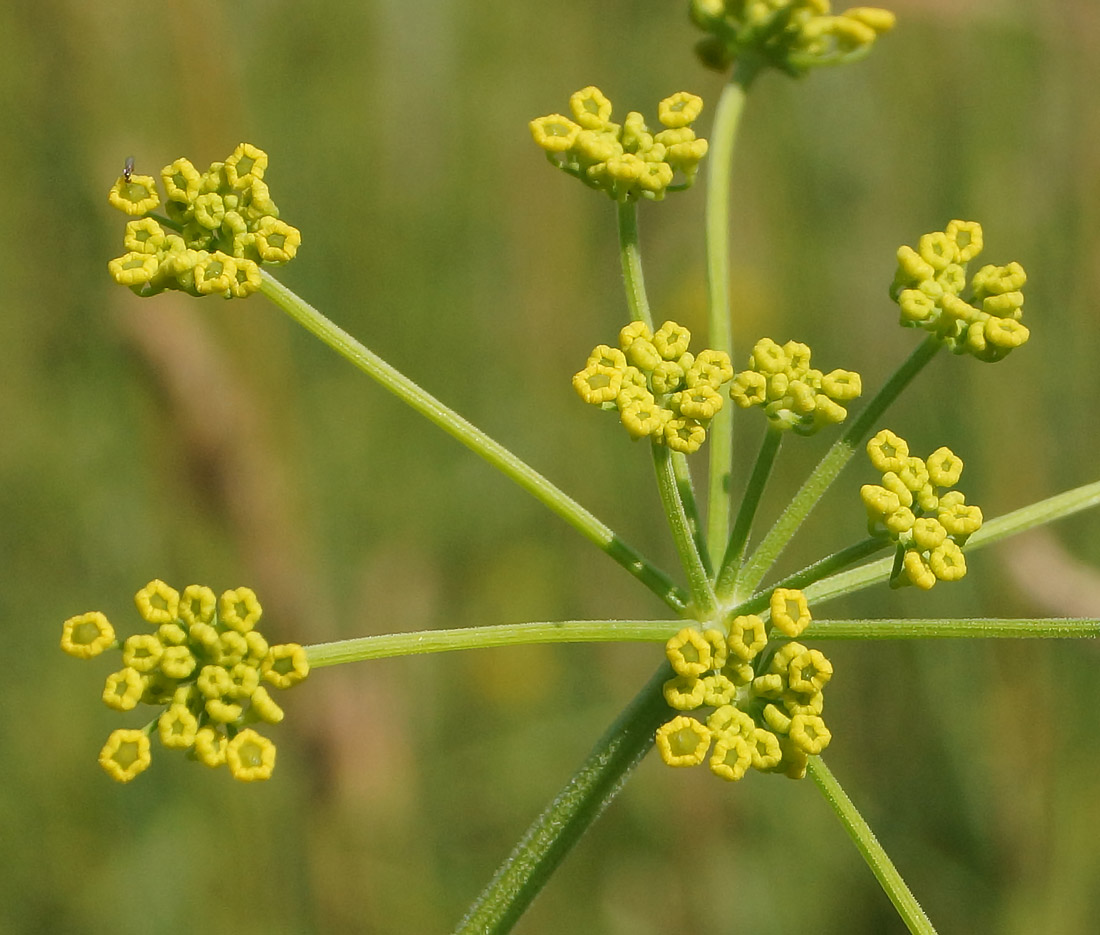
<point x="791" y="35"/>
<point x="203" y="665"/>
<point x="981" y="318"/>
<point x="793" y="395"/>
<point x="929" y="525"/>
<point x="625" y="160"/>
<point x="658" y="386"/>
<point x="763" y="703"/>
<point x="219" y="226"/>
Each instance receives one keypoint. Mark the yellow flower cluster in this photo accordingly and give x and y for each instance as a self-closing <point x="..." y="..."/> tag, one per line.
<point x="204" y="665"/>
<point x="764" y="704"/>
<point x="791" y="35"/>
<point x="981" y="318"/>
<point x="793" y="394"/>
<point x="928" y="524"/>
<point x="659" y="387"/>
<point x="218" y="227"/>
<point x="627" y="160"/>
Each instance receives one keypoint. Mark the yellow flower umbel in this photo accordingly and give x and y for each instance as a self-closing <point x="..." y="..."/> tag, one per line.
<point x="203" y="665"/>
<point x="627" y="160"/>
<point x="218" y="227"/>
<point x="912" y="507"/>
<point x="660" y="389"/>
<point x="793" y="394"/>
<point x="758" y="705"/>
<point x="980" y="317"/>
<point x="791" y="35"/>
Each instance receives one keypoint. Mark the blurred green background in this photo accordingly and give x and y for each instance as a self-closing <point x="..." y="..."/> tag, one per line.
<point x="199" y="441"/>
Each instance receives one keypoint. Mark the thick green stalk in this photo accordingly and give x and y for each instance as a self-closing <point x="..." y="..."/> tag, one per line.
<point x="1047" y="628"/>
<point x="826" y="472"/>
<point x="691" y="559"/>
<point x="739" y="538"/>
<point x="474" y="439"/>
<point x="877" y="859"/>
<point x="505" y="634"/>
<point x="560" y="826"/>
<point x="630" y="256"/>
<point x="723" y="136"/>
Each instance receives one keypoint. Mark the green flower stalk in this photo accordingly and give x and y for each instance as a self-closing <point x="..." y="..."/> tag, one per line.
<point x="628" y="161"/>
<point x="203" y="667"/>
<point x="219" y="227"/>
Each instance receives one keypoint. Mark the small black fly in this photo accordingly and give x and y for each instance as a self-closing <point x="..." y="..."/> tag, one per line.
<point x="128" y="168"/>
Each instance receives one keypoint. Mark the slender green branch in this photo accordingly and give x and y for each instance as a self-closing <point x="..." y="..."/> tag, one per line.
<point x="630" y="256"/>
<point x="739" y="538"/>
<point x="723" y="136"/>
<point x="1046" y="628"/>
<point x="877" y="859"/>
<point x="505" y="634"/>
<point x="560" y="826"/>
<point x="474" y="439"/>
<point x="690" y="558"/>
<point x="686" y="489"/>
<point x="827" y="471"/>
<point x="994" y="530"/>
<point x="634" y="282"/>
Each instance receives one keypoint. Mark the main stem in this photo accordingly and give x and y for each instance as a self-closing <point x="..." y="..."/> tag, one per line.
<point x="474" y="439"/>
<point x="553" y="834"/>
<point x="727" y="118"/>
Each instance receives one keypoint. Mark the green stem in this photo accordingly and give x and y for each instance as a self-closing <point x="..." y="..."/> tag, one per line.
<point x="727" y="119"/>
<point x="560" y="826"/>
<point x="690" y="557"/>
<point x="630" y="256"/>
<point x="877" y="859"/>
<point x="474" y="439"/>
<point x="506" y="634"/>
<point x="735" y="549"/>
<point x="686" y="489"/>
<point x="994" y="530"/>
<point x="827" y="471"/>
<point x="1048" y="628"/>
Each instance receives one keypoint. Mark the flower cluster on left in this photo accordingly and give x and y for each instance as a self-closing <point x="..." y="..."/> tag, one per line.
<point x="218" y="226"/>
<point x="203" y="666"/>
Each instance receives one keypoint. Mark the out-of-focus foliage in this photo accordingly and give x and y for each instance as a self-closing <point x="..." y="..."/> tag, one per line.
<point x="197" y="440"/>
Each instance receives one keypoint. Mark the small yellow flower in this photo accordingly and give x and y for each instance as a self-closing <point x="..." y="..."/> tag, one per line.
<point x="250" y="756"/>
<point x="210" y="746"/>
<point x="136" y="196"/>
<point x="790" y="613"/>
<point x="285" y="665"/>
<point x="276" y="241"/>
<point x="197" y="605"/>
<point x="87" y="635"/>
<point x="239" y="610"/>
<point x="731" y="758"/>
<point x="134" y="268"/>
<point x="177" y="727"/>
<point x="246" y="163"/>
<point x="679" y="109"/>
<point x="157" y="602"/>
<point x="124" y="689"/>
<point x="590" y="108"/>
<point x="554" y="133"/>
<point x="683" y="741"/>
<point x="125" y="754"/>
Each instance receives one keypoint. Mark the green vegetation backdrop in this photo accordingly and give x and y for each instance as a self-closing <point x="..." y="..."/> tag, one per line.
<point x="200" y="441"/>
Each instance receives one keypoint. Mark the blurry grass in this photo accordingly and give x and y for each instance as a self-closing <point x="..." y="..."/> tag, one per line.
<point x="198" y="441"/>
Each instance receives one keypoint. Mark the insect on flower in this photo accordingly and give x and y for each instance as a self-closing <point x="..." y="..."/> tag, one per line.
<point x="128" y="168"/>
